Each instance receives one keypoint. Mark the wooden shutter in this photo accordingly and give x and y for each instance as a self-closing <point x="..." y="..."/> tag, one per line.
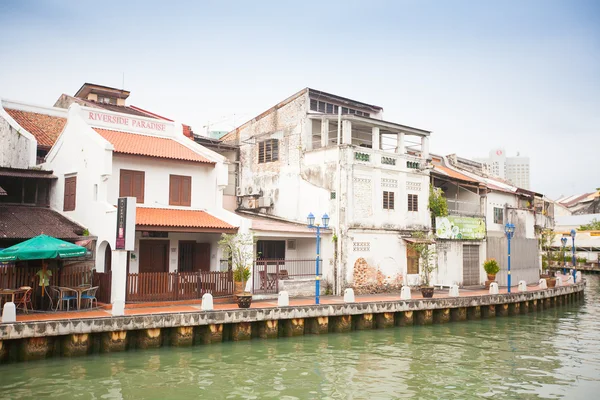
<point x="413" y="202"/>
<point x="412" y="261"/>
<point x="138" y="184"/>
<point x="261" y="152"/>
<point x="69" y="200"/>
<point x="186" y="191"/>
<point x="125" y="183"/>
<point x="275" y="149"/>
<point x="175" y="190"/>
<point x="388" y="200"/>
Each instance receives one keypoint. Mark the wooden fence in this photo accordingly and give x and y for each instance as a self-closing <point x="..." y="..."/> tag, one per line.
<point x="104" y="283"/>
<point x="169" y="286"/>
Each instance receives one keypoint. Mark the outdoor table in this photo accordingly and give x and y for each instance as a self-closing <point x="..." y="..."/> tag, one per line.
<point x="9" y="292"/>
<point x="79" y="290"/>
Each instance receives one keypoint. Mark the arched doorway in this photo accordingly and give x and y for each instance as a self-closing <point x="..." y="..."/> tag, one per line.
<point x="104" y="257"/>
<point x="107" y="258"/>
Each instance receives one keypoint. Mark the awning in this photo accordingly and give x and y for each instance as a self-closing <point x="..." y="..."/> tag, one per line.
<point x="26" y="173"/>
<point x="175" y="220"/>
<point x="25" y="222"/>
<point x="419" y="240"/>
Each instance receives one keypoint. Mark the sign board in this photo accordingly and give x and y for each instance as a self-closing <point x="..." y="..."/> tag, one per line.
<point x="455" y="227"/>
<point x="125" y="235"/>
<point x="129" y="123"/>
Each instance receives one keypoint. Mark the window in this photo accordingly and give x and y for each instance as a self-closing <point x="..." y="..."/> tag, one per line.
<point x="70" y="192"/>
<point x="413" y="202"/>
<point x="180" y="190"/>
<point x="268" y="151"/>
<point x="412" y="261"/>
<point x="291" y="244"/>
<point x="329" y="108"/>
<point x="270" y="249"/>
<point x="132" y="184"/>
<point x="498" y="215"/>
<point x="388" y="200"/>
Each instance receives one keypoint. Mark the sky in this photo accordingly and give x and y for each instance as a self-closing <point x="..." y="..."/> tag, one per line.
<point x="521" y="75"/>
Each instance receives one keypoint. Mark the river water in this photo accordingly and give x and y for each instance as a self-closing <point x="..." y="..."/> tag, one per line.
<point x="550" y="354"/>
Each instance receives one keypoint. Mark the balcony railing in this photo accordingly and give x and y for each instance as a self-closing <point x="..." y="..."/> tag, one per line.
<point x="463" y="207"/>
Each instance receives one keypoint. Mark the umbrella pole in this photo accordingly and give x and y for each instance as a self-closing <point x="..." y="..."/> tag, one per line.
<point x="44" y="266"/>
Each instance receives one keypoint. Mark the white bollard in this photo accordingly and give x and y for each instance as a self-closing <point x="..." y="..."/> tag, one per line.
<point x="494" y="288"/>
<point x="579" y="277"/>
<point x="543" y="284"/>
<point x="9" y="314"/>
<point x="522" y="286"/>
<point x="453" y="291"/>
<point x="207" y="302"/>
<point x="559" y="281"/>
<point x="570" y="280"/>
<point x="118" y="308"/>
<point x="284" y="299"/>
<point x="405" y="293"/>
<point x="349" y="296"/>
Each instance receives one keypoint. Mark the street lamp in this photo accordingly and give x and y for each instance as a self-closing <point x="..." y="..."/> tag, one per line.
<point x="311" y="224"/>
<point x="573" y="234"/>
<point x="509" y="230"/>
<point x="563" y="240"/>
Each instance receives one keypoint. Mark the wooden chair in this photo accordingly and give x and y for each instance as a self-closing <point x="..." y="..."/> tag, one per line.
<point x="23" y="298"/>
<point x="283" y="274"/>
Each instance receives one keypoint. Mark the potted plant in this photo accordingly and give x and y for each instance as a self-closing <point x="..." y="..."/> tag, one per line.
<point x="239" y="249"/>
<point x="423" y="246"/>
<point x="491" y="268"/>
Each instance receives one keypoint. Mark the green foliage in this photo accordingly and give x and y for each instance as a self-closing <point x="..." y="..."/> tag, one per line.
<point x="86" y="232"/>
<point x="427" y="256"/>
<point x="239" y="248"/>
<point x="581" y="260"/>
<point x="594" y="225"/>
<point x="438" y="205"/>
<point x="491" y="266"/>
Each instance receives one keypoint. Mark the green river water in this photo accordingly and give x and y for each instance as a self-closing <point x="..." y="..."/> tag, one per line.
<point x="550" y="354"/>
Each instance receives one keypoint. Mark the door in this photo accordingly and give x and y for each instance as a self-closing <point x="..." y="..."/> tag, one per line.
<point x="470" y="265"/>
<point x="154" y="256"/>
<point x="186" y="256"/>
<point x="202" y="257"/>
<point x="108" y="259"/>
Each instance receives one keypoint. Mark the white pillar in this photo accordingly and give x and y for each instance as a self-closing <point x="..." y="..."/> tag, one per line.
<point x="309" y="134"/>
<point x="400" y="143"/>
<point x="346" y="132"/>
<point x="376" y="145"/>
<point x="324" y="132"/>
<point x="119" y="276"/>
<point x="425" y="147"/>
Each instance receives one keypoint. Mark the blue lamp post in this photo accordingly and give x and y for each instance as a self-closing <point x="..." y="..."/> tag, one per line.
<point x="563" y="240"/>
<point x="311" y="224"/>
<point x="573" y="234"/>
<point x="509" y="230"/>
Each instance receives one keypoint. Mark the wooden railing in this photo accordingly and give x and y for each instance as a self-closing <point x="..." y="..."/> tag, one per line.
<point x="267" y="273"/>
<point x="104" y="283"/>
<point x="170" y="286"/>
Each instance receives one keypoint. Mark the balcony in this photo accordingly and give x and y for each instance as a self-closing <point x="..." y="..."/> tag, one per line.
<point x="466" y="208"/>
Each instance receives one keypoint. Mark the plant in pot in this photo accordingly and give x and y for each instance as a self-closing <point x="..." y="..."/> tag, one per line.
<point x="491" y="268"/>
<point x="239" y="249"/>
<point x="425" y="249"/>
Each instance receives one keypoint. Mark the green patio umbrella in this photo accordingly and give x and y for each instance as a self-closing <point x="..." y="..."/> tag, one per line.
<point x="42" y="247"/>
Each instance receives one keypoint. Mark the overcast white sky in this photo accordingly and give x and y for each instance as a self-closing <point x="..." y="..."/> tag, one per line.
<point x="523" y="75"/>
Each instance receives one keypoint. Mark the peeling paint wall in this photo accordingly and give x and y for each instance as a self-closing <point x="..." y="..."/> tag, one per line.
<point x="15" y="148"/>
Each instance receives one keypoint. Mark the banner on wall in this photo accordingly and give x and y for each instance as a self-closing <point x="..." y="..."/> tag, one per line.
<point x="454" y="227"/>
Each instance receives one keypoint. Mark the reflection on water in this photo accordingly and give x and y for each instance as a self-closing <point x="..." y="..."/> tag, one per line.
<point x="553" y="354"/>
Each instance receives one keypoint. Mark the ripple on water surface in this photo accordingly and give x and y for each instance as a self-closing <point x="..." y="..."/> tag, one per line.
<point x="553" y="354"/>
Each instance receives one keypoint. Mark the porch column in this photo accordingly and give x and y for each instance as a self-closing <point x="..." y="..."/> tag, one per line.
<point x="324" y="132"/>
<point x="375" y="140"/>
<point x="119" y="276"/>
<point x="347" y="132"/>
<point x="400" y="143"/>
<point x="425" y="147"/>
<point x="309" y="134"/>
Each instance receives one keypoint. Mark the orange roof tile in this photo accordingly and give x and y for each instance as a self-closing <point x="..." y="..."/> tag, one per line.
<point x="45" y="128"/>
<point x="143" y="145"/>
<point x="179" y="218"/>
<point x="453" y="174"/>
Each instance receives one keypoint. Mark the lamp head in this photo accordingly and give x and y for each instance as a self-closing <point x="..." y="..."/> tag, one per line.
<point x="563" y="241"/>
<point x="509" y="229"/>
<point x="325" y="219"/>
<point x="311" y="220"/>
<point x="573" y="233"/>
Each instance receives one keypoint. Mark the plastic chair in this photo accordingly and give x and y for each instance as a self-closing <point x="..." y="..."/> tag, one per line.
<point x="67" y="296"/>
<point x="90" y="295"/>
<point x="24" y="298"/>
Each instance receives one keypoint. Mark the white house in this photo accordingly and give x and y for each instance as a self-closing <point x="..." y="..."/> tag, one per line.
<point x="320" y="153"/>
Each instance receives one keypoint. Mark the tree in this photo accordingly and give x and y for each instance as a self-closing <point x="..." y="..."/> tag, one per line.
<point x="438" y="205"/>
<point x="594" y="225"/>
<point x="547" y="237"/>
<point x="427" y="257"/>
<point x="240" y="250"/>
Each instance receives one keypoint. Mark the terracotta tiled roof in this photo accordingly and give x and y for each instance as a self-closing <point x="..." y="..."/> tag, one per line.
<point x="453" y="174"/>
<point x="45" y="128"/>
<point x="22" y="222"/>
<point x="178" y="218"/>
<point x="152" y="146"/>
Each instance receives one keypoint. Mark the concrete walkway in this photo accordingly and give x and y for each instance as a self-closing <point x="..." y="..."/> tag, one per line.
<point x="256" y="304"/>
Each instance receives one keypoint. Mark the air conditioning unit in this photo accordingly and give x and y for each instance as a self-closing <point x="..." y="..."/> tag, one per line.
<point x="239" y="191"/>
<point x="252" y="203"/>
<point x="265" y="201"/>
<point x="250" y="190"/>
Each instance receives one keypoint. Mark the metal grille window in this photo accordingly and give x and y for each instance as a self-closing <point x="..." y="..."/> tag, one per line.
<point x="324" y="107"/>
<point x="498" y="215"/>
<point x="413" y="202"/>
<point x="268" y="151"/>
<point x="388" y="200"/>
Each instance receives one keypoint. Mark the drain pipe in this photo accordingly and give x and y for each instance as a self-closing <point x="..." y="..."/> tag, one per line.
<point x="338" y="275"/>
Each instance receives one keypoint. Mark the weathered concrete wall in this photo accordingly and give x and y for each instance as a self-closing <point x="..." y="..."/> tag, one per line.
<point x="17" y="148"/>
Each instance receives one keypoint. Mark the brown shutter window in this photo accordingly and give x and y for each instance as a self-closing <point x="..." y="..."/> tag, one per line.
<point x="413" y="202"/>
<point x="412" y="261"/>
<point x="70" y="193"/>
<point x="388" y="200"/>
<point x="180" y="190"/>
<point x="132" y="184"/>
